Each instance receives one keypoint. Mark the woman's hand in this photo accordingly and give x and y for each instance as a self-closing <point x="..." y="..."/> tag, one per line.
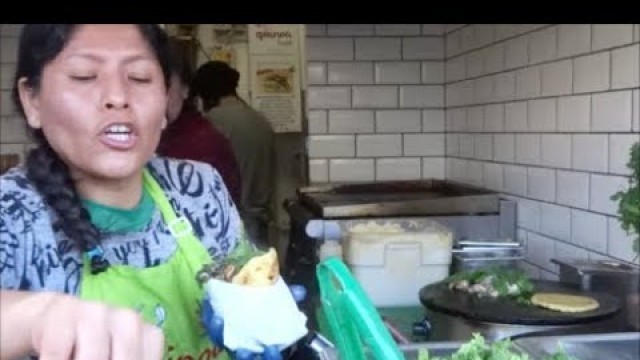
<point x="62" y="327"/>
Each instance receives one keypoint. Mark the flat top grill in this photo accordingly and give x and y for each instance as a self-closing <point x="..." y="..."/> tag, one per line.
<point x="398" y="198"/>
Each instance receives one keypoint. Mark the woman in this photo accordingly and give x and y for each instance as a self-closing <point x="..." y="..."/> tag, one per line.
<point x="100" y="241"/>
<point x="191" y="136"/>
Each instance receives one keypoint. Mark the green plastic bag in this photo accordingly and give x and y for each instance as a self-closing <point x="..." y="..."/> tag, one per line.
<point x="352" y="323"/>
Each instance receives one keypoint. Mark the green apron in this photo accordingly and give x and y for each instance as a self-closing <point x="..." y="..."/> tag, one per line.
<point x="166" y="295"/>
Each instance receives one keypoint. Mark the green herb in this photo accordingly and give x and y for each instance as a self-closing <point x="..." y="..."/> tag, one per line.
<point x="501" y="281"/>
<point x="629" y="200"/>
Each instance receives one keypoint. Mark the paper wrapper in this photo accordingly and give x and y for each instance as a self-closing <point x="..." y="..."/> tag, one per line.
<point x="257" y="316"/>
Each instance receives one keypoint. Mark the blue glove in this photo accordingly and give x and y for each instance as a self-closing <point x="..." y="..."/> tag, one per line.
<point x="214" y="325"/>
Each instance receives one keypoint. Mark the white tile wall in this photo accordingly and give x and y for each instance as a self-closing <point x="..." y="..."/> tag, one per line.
<point x="398" y="121"/>
<point x="375" y="96"/>
<point x="373" y="48"/>
<point x="611" y="111"/>
<point x="327" y="97"/>
<point x="317" y="73"/>
<point x="424" y="144"/>
<point x="398" y="29"/>
<point x="398" y="169"/>
<point x="433" y="29"/>
<point x="433" y="121"/>
<point x="421" y="96"/>
<point x="610" y="35"/>
<point x="620" y="242"/>
<point x="317" y="121"/>
<point x="432" y="72"/>
<point x="422" y="48"/>
<point x="561" y="109"/>
<point x="625" y="67"/>
<point x="379" y="145"/>
<point x="398" y="72"/>
<point x="319" y="49"/>
<point x="351" y="121"/>
<point x="591" y="73"/>
<point x="351" y="170"/>
<point x="350" y="29"/>
<point x="318" y="170"/>
<point x="433" y="168"/>
<point x="328" y="146"/>
<point x="350" y="73"/>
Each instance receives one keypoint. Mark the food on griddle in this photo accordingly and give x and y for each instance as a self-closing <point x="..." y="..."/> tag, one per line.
<point x="564" y="302"/>
<point x="258" y="269"/>
<point x="494" y="283"/>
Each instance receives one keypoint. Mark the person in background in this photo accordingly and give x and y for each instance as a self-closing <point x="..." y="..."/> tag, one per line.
<point x="190" y="135"/>
<point x="252" y="138"/>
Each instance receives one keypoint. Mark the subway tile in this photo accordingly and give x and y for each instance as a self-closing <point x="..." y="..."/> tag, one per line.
<point x="591" y="73"/>
<point x="375" y="96"/>
<point x="556" y="150"/>
<point x="504" y="147"/>
<point x="467" y="145"/>
<point x="13" y="130"/>
<point x="422" y="48"/>
<point x="467" y="92"/>
<point x="9" y="53"/>
<point x="493" y="176"/>
<point x="475" y="64"/>
<point x="504" y="31"/>
<point x="378" y="48"/>
<point x="398" y="169"/>
<point x="516" y="52"/>
<point x="568" y="251"/>
<point x="326" y="97"/>
<point x="475" y="173"/>
<point x="573" y="189"/>
<point x="494" y="118"/>
<point x="432" y="72"/>
<point x="541" y="184"/>
<point x="350" y="29"/>
<point x="454" y="43"/>
<point x="6" y="104"/>
<point x="424" y="145"/>
<point x="589" y="230"/>
<point x="543" y="45"/>
<point x="602" y="188"/>
<point x="468" y="37"/>
<point x="590" y="152"/>
<point x="433" y="29"/>
<point x="557" y="78"/>
<point x="456" y="69"/>
<point x="574" y="113"/>
<point x="317" y="73"/>
<point x="379" y="145"/>
<point x="515" y="116"/>
<point x="351" y="170"/>
<point x="636" y="110"/>
<point x="636" y="32"/>
<point x="350" y="73"/>
<point x="611" y="111"/>
<point x="483" y="147"/>
<point x="574" y="39"/>
<point x="456" y="170"/>
<point x="453" y="145"/>
<point x="327" y="49"/>
<point x="317" y="121"/>
<point x="475" y="118"/>
<point x="330" y="146"/>
<point x="6" y="76"/>
<point x="528" y="149"/>
<point x="542" y="115"/>
<point x="494" y="58"/>
<point x="528" y="214"/>
<point x="457" y="120"/>
<point x="620" y="152"/>
<point x="611" y="35"/>
<point x="398" y="72"/>
<point x="505" y="86"/>
<point x="485" y="34"/>
<point x="398" y="121"/>
<point x="316" y="29"/>
<point x="515" y="179"/>
<point x="398" y="29"/>
<point x="528" y="83"/>
<point x="351" y="121"/>
<point x="625" y="65"/>
<point x="11" y="30"/>
<point x="433" y="121"/>
<point x="318" y="170"/>
<point x="555" y="221"/>
<point x="433" y="168"/>
<point x="483" y="89"/>
<point x="620" y="241"/>
<point x="421" y="96"/>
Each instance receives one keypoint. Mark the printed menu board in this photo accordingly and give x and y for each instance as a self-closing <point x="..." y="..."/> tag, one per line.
<point x="274" y="53"/>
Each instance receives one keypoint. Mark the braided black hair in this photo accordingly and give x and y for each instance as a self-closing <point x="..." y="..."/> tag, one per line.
<point x="40" y="44"/>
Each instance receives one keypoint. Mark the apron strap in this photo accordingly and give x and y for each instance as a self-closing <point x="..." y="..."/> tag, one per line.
<point x="179" y="226"/>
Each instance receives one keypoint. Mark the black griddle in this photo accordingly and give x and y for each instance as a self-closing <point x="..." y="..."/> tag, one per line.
<point x="439" y="297"/>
